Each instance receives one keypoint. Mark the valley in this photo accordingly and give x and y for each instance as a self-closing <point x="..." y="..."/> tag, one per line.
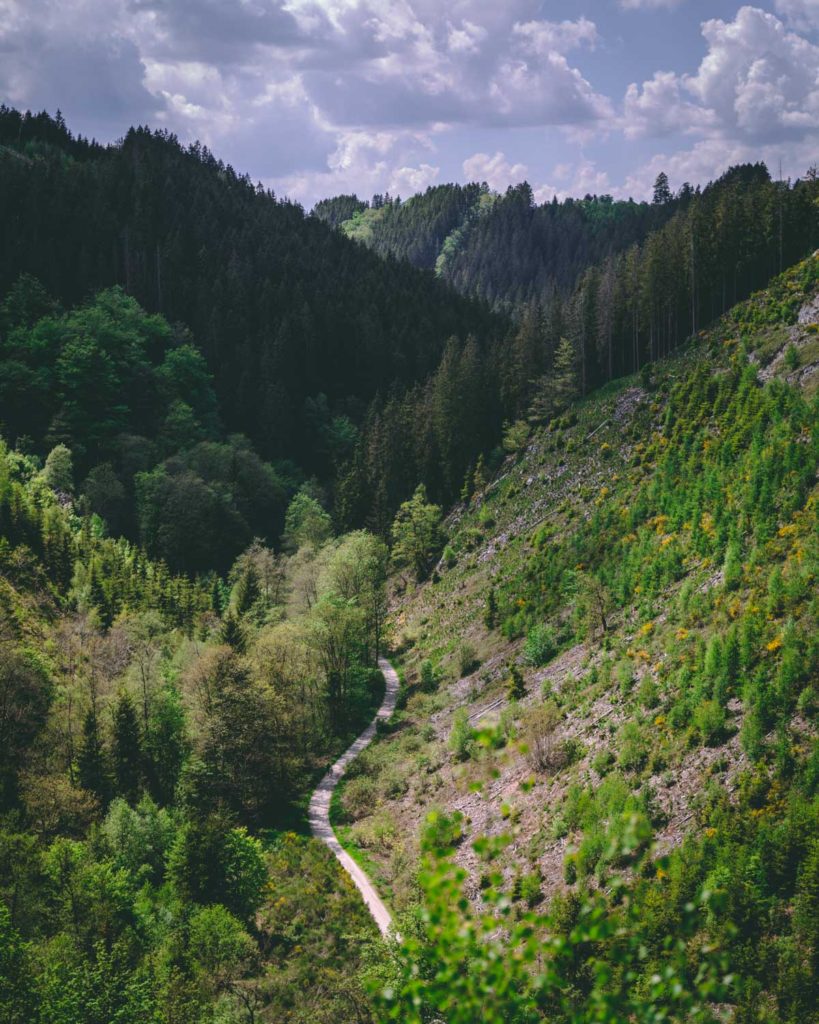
<point x="399" y="622"/>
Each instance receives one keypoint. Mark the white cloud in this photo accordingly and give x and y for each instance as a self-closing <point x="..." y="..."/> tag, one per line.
<point x="758" y="82"/>
<point x="709" y="158"/>
<point x="802" y="15"/>
<point x="495" y="170"/>
<point x="649" y="5"/>
<point x="658" y="108"/>
<point x="467" y="38"/>
<point x="759" y="79"/>
<point x="409" y="180"/>
<point x="544" y="37"/>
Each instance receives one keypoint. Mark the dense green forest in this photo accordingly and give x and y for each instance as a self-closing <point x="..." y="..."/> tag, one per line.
<point x="361" y="372"/>
<point x="513" y="252"/>
<point x="504" y="248"/>
<point x="299" y="328"/>
<point x="229" y="438"/>
<point x="152" y="729"/>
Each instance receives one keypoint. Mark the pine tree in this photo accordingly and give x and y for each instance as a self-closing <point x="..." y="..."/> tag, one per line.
<point x="92" y="761"/>
<point x="127" y="749"/>
<point x="481" y="477"/>
<point x="662" y="191"/>
<point x="490" y="614"/>
<point x="232" y="634"/>
<point x="556" y="390"/>
<point x="516" y="686"/>
<point x="248" y="590"/>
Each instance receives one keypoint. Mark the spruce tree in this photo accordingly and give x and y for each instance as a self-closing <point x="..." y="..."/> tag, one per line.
<point x="248" y="590"/>
<point x="557" y="389"/>
<point x="490" y="614"/>
<point x="92" y="761"/>
<point x="127" y="749"/>
<point x="232" y="634"/>
<point x="516" y="686"/>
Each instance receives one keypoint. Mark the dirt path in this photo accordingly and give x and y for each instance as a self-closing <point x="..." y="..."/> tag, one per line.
<point x="319" y="810"/>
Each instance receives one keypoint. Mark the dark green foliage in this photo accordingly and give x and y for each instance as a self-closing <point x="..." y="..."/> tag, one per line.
<point x="127" y="750"/>
<point x="490" y="613"/>
<point x="299" y="328"/>
<point x="93" y="768"/>
<point x="25" y="698"/>
<point x="516" y="686"/>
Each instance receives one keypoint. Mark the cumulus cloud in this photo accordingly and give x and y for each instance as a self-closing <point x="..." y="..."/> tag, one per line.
<point x="495" y="170"/>
<point x="320" y="96"/>
<point x="659" y="107"/>
<point x="758" y="78"/>
<point x="802" y="15"/>
<point x="758" y="82"/>
<point x="53" y="57"/>
<point x="543" y="37"/>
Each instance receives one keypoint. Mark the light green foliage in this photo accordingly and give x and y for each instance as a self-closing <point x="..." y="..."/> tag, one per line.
<point x="417" y="534"/>
<point x="541" y="644"/>
<point x="306" y="523"/>
<point x="461" y="736"/>
<point x="515" y="436"/>
<point x="460" y="966"/>
<point x="58" y="471"/>
<point x="219" y="948"/>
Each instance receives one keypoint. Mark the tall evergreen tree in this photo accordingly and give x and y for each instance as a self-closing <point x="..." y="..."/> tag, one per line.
<point x="127" y="749"/>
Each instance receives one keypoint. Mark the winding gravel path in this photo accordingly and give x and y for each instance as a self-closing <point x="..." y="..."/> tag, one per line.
<point x="319" y="811"/>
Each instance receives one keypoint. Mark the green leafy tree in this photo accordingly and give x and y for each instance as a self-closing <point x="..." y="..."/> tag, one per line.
<point x="306" y="523"/>
<point x="58" y="471"/>
<point x="417" y="534"/>
<point x="459" y="965"/>
<point x="19" y="1003"/>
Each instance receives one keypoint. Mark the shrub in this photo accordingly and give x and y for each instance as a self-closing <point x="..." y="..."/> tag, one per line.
<point x="541" y="645"/>
<point x="428" y="679"/>
<point x="709" y="721"/>
<point x="624" y="676"/>
<point x="647" y="693"/>
<point x="539" y="733"/>
<point x="461" y="736"/>
<point x="468" y="659"/>
<point x="515" y="686"/>
<point x="633" y="746"/>
<point x="791" y="358"/>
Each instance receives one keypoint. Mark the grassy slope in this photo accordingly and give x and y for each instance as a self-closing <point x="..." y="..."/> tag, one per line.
<point x="648" y="489"/>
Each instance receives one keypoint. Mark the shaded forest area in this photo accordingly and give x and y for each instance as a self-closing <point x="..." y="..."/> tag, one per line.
<point x="363" y="372"/>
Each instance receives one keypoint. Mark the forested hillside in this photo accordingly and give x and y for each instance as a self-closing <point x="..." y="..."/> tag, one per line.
<point x="611" y="669"/>
<point x="334" y="363"/>
<point x="300" y="329"/>
<point x="504" y="248"/>
<point x="512" y="252"/>
<point x="154" y="729"/>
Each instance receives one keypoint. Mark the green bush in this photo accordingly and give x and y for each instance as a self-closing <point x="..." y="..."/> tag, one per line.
<point x="541" y="645"/>
<point x="468" y="659"/>
<point x="633" y="746"/>
<point x="461" y="736"/>
<point x="709" y="721"/>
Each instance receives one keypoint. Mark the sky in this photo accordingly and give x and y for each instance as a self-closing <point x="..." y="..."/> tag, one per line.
<point x="318" y="97"/>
